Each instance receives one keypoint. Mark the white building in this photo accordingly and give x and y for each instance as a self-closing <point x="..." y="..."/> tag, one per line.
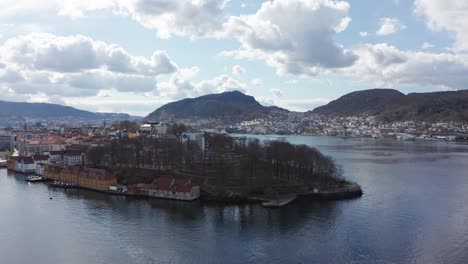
<point x="72" y="158"/>
<point x="25" y="165"/>
<point x="41" y="159"/>
<point x="146" y="128"/>
<point x="39" y="169"/>
<point x="158" y="128"/>
<point x="56" y="157"/>
<point x="174" y="189"/>
<point x="198" y="138"/>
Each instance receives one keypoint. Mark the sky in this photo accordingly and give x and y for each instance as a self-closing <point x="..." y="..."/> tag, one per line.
<point x="133" y="56"/>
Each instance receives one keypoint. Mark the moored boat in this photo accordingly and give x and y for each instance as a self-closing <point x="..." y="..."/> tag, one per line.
<point x="36" y="179"/>
<point x="65" y="185"/>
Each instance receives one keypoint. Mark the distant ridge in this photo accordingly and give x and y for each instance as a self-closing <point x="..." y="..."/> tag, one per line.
<point x="228" y="106"/>
<point x="51" y="111"/>
<point x="392" y="105"/>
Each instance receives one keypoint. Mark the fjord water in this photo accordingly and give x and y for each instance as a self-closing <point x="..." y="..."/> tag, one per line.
<point x="414" y="210"/>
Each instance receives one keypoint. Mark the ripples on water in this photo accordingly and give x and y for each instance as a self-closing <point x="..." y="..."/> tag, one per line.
<point x="414" y="210"/>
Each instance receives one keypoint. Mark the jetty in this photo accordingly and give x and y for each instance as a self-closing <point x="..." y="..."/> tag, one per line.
<point x="348" y="191"/>
<point x="279" y="201"/>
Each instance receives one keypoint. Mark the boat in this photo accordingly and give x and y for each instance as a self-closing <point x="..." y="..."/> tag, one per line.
<point x="65" y="185"/>
<point x="36" y="179"/>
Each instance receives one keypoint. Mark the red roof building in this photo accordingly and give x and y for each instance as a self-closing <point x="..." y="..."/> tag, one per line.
<point x="177" y="189"/>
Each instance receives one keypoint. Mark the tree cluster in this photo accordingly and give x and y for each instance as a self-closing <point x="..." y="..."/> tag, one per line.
<point x="224" y="161"/>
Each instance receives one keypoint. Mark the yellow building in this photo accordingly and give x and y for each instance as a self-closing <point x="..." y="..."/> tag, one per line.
<point x="95" y="179"/>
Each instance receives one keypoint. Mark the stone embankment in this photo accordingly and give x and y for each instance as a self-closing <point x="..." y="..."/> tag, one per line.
<point x="348" y="191"/>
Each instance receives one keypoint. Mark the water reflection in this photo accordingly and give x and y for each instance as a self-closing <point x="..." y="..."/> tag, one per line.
<point x="414" y="210"/>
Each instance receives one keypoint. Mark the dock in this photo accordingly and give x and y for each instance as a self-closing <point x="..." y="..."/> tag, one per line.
<point x="351" y="190"/>
<point x="279" y="201"/>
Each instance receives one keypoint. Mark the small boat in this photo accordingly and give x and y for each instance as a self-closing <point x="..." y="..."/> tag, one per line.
<point x="35" y="179"/>
<point x="65" y="185"/>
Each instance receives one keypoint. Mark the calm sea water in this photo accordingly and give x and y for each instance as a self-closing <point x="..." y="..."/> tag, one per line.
<point x="414" y="210"/>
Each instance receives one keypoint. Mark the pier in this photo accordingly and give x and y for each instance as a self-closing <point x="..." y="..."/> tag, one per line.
<point x="279" y="201"/>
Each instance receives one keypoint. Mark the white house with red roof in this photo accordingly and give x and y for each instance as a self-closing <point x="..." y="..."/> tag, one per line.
<point x="177" y="189"/>
<point x="25" y="165"/>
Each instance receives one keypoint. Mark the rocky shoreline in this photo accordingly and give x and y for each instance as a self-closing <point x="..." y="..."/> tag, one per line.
<point x="349" y="191"/>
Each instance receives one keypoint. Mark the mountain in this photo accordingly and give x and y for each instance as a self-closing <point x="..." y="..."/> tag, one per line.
<point x="392" y="105"/>
<point x="228" y="106"/>
<point x="48" y="111"/>
<point x="370" y="102"/>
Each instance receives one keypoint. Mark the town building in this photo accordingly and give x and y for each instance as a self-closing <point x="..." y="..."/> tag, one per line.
<point x="7" y="143"/>
<point x="56" y="157"/>
<point x="153" y="127"/>
<point x="11" y="163"/>
<point x="197" y="138"/>
<point x="25" y="165"/>
<point x="73" y="158"/>
<point x="90" y="178"/>
<point x="41" y="160"/>
<point x="177" y="189"/>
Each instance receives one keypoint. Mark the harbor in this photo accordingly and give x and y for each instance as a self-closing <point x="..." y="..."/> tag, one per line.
<point x="136" y="229"/>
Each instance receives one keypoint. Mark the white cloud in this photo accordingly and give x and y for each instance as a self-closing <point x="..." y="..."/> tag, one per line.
<point x="363" y="34"/>
<point x="182" y="18"/>
<point x="104" y="93"/>
<point x="181" y="85"/>
<point x="76" y="66"/>
<point x="48" y="52"/>
<point x="427" y="45"/>
<point x="77" y="8"/>
<point x="277" y="92"/>
<point x="389" y="25"/>
<point x="293" y="36"/>
<point x="222" y="83"/>
<point x="292" y="81"/>
<point x="70" y="8"/>
<point x="238" y="70"/>
<point x="256" y="82"/>
<point x="449" y="15"/>
<point x="299" y="105"/>
<point x="196" y="18"/>
<point x="387" y="66"/>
